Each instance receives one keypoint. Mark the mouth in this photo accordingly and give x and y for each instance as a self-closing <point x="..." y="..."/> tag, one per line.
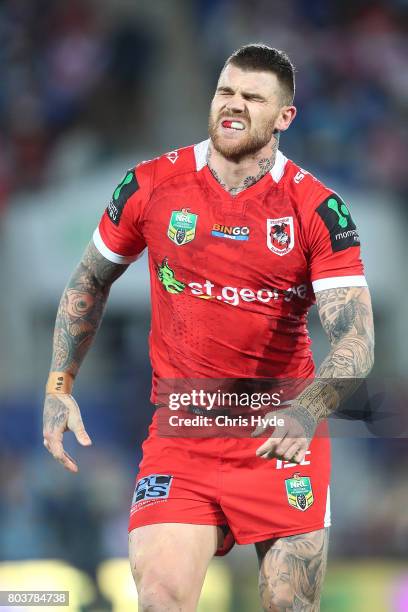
<point x="233" y="124"/>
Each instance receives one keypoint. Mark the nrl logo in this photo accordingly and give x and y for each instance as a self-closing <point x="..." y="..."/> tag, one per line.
<point x="182" y="226"/>
<point x="280" y="235"/>
<point x="299" y="492"/>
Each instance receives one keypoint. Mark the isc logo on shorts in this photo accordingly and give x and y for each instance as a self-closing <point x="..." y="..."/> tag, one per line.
<point x="153" y="487"/>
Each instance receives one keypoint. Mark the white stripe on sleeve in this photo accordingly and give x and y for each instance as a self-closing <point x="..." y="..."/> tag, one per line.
<point x="106" y="252"/>
<point x="339" y="281"/>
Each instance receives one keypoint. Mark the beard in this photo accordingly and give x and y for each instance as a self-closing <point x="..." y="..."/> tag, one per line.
<point x="252" y="140"/>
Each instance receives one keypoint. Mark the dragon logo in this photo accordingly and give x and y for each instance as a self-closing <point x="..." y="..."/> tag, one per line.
<point x="280" y="235"/>
<point x="167" y="278"/>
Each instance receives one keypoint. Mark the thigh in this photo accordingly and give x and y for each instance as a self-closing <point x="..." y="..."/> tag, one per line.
<point x="292" y="571"/>
<point x="173" y="556"/>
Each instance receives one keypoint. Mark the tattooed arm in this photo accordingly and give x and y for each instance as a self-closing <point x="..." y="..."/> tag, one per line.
<point x="79" y="315"/>
<point x="346" y="316"/>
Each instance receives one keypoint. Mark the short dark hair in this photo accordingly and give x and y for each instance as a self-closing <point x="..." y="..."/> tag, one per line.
<point x="261" y="57"/>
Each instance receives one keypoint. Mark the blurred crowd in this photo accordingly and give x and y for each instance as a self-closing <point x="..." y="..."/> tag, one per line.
<point x="75" y="76"/>
<point x="72" y="83"/>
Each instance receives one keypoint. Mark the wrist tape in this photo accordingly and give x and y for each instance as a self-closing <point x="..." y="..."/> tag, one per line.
<point x="59" y="382"/>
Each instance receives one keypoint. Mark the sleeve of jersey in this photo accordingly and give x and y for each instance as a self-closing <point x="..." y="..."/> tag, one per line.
<point x="118" y="236"/>
<point x="335" y="259"/>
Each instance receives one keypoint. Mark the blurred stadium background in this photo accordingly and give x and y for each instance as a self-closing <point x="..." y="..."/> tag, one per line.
<point x="88" y="89"/>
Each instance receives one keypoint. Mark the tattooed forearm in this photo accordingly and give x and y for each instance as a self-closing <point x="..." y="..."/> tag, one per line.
<point x="292" y="571"/>
<point x="346" y="316"/>
<point x="81" y="309"/>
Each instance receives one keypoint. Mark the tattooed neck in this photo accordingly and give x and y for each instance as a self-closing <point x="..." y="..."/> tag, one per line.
<point x="264" y="165"/>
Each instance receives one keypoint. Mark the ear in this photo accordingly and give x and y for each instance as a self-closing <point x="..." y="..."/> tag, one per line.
<point x="285" y="118"/>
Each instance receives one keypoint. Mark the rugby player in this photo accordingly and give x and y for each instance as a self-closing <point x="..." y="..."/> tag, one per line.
<point x="241" y="242"/>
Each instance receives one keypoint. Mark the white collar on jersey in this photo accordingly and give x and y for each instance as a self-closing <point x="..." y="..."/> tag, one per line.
<point x="201" y="149"/>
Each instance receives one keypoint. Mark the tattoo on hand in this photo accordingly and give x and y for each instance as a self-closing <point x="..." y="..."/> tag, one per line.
<point x="55" y="413"/>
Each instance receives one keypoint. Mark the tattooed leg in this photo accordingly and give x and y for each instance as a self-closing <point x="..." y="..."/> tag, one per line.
<point x="292" y="571"/>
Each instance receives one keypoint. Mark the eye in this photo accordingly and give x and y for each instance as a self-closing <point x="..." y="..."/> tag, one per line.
<point x="253" y="98"/>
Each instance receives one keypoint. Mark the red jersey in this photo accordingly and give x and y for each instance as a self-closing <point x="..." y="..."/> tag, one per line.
<point x="232" y="277"/>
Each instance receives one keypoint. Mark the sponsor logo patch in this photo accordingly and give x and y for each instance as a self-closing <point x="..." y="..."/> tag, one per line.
<point x="229" y="231"/>
<point x="126" y="188"/>
<point x="182" y="226"/>
<point x="336" y="217"/>
<point x="206" y="290"/>
<point x="280" y="235"/>
<point x="299" y="492"/>
<point x="152" y="488"/>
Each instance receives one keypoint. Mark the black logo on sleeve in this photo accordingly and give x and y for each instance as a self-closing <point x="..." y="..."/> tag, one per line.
<point x="126" y="188"/>
<point x="336" y="217"/>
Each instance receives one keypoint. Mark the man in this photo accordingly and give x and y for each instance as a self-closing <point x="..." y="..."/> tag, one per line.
<point x="241" y="243"/>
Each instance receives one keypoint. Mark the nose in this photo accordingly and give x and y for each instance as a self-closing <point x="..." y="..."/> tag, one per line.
<point x="236" y="105"/>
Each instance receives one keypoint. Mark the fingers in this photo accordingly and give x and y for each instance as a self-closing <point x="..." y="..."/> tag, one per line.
<point x="286" y="449"/>
<point x="82" y="436"/>
<point x="76" y="424"/>
<point x="291" y="452"/>
<point x="288" y="442"/>
<point x="267" y="449"/>
<point x="55" y="447"/>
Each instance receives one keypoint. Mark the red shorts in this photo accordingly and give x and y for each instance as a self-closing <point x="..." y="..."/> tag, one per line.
<point x="220" y="481"/>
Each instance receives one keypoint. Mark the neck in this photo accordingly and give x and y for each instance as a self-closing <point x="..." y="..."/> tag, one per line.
<point x="235" y="176"/>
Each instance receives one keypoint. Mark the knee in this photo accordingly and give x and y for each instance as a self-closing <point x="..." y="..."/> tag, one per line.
<point x="158" y="591"/>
